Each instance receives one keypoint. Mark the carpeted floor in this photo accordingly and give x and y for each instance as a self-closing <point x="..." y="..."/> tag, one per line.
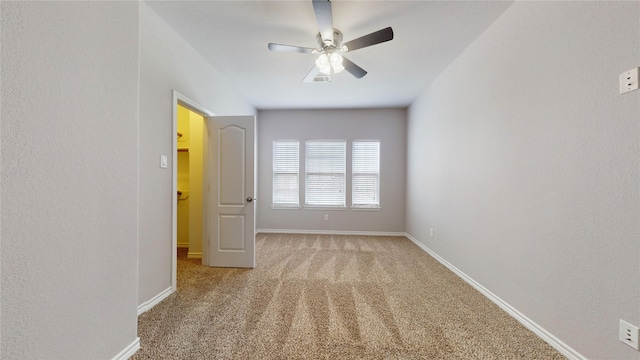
<point x="331" y="297"/>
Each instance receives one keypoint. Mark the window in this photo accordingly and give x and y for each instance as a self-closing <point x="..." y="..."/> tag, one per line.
<point x="285" y="173"/>
<point x="365" y="192"/>
<point x="325" y="173"/>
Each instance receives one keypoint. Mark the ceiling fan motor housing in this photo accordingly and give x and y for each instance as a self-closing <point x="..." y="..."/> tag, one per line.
<point x="330" y="45"/>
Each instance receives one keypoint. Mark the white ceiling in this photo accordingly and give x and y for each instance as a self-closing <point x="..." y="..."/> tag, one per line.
<point x="233" y="37"/>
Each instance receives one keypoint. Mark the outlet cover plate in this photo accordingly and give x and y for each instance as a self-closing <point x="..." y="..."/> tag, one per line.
<point x="629" y="81"/>
<point x="629" y="334"/>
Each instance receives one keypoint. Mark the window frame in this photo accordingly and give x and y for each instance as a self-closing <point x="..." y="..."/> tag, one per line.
<point x="371" y="206"/>
<point x="307" y="173"/>
<point x="274" y="173"/>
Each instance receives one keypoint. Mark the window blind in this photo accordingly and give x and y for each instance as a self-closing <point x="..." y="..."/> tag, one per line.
<point x="365" y="174"/>
<point x="286" y="182"/>
<point x="325" y="173"/>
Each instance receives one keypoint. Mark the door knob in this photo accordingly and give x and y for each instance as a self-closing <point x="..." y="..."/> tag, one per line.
<point x="249" y="199"/>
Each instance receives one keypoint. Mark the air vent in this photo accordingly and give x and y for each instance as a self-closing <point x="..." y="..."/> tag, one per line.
<point x="322" y="78"/>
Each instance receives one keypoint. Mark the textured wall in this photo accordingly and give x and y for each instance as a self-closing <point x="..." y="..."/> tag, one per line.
<point x="387" y="125"/>
<point x="168" y="63"/>
<point x="69" y="179"/>
<point x="524" y="159"/>
<point x="196" y="123"/>
<point x="184" y="128"/>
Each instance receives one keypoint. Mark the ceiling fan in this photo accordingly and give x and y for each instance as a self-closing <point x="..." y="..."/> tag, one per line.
<point x="330" y="61"/>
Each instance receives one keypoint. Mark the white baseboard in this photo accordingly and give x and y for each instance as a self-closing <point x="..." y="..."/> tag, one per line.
<point x="194" y="255"/>
<point x="563" y="348"/>
<point x="128" y="352"/>
<point x="329" y="232"/>
<point x="147" y="305"/>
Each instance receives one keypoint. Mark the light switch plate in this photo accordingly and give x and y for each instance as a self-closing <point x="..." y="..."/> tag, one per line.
<point x="163" y="161"/>
<point x="629" y="81"/>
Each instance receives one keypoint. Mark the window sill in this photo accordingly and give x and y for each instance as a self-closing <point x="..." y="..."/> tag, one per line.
<point x="285" y="207"/>
<point x="324" y="208"/>
<point x="366" y="208"/>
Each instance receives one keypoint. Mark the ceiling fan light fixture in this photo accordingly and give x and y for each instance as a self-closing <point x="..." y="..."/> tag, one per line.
<point x="322" y="62"/>
<point x="336" y="62"/>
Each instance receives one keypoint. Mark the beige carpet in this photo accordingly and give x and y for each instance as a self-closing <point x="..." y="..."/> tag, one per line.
<point x="332" y="297"/>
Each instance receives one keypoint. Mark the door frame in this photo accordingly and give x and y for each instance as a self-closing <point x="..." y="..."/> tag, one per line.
<point x="179" y="99"/>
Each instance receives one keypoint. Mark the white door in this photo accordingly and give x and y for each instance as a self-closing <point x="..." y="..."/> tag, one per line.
<point x="231" y="210"/>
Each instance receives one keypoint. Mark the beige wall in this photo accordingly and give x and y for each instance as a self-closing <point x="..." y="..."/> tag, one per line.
<point x="386" y="125"/>
<point x="168" y="63"/>
<point x="523" y="157"/>
<point x="69" y="179"/>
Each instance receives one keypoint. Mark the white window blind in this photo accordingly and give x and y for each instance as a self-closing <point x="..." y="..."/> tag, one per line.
<point x="286" y="181"/>
<point x="325" y="173"/>
<point x="365" y="174"/>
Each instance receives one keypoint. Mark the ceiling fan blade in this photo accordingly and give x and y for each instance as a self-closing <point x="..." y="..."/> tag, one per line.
<point x="290" y="48"/>
<point x="377" y="37"/>
<point x="354" y="69"/>
<point x="322" y="8"/>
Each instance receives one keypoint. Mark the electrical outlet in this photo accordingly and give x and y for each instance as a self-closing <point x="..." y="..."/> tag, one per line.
<point x="629" y="81"/>
<point x="431" y="232"/>
<point x="629" y="334"/>
<point x="326" y="216"/>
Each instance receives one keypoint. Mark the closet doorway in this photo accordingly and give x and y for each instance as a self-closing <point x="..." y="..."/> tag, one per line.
<point x="190" y="132"/>
<point x="190" y="144"/>
<point x="189" y="152"/>
<point x="226" y="164"/>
